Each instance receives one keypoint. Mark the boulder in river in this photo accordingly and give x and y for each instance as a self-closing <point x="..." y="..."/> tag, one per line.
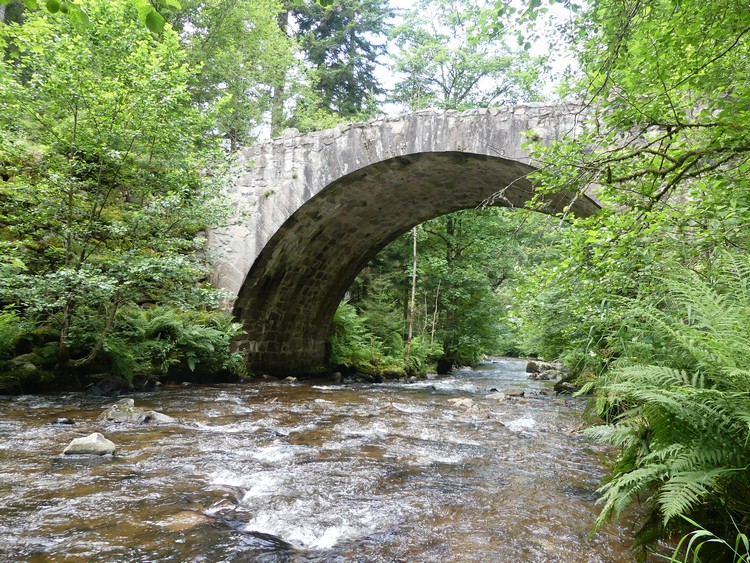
<point x="125" y="411"/>
<point x="110" y="386"/>
<point x="462" y="401"/>
<point x="93" y="444"/>
<point x="565" y="388"/>
<point x="543" y="371"/>
<point x="537" y="366"/>
<point x="546" y="375"/>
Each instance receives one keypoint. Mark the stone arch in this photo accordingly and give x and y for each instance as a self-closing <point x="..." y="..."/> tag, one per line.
<point x="307" y="244"/>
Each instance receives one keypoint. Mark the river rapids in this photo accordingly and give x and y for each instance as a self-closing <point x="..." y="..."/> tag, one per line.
<point x="280" y="471"/>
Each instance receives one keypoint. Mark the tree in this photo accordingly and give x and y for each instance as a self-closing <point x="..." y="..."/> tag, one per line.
<point x="474" y="261"/>
<point x="241" y="54"/>
<point x="669" y="113"/>
<point x="443" y="63"/>
<point x="341" y="42"/>
<point x="469" y="268"/>
<point x="665" y="151"/>
<point x="77" y="12"/>
<point x="104" y="189"/>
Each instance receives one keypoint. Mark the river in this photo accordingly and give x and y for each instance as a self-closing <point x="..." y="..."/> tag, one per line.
<point x="280" y="471"/>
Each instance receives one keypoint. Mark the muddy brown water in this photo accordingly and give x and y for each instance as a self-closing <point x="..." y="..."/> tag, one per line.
<point x="310" y="472"/>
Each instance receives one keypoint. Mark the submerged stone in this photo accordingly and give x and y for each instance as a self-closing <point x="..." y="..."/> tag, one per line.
<point x="461" y="401"/>
<point x="64" y="420"/>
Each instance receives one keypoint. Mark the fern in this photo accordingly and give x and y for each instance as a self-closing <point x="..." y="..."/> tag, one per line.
<point x="682" y="411"/>
<point x="155" y="339"/>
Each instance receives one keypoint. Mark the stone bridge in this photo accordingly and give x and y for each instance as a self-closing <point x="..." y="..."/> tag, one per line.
<point x="313" y="209"/>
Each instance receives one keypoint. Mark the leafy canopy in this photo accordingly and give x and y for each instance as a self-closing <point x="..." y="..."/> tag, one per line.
<point x="441" y="62"/>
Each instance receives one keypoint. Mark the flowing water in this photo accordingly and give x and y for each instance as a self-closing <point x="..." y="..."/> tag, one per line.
<point x="284" y="471"/>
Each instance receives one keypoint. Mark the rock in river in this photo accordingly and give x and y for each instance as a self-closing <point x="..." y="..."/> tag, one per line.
<point x="125" y="411"/>
<point x="543" y="371"/>
<point x="94" y="444"/>
<point x="462" y="402"/>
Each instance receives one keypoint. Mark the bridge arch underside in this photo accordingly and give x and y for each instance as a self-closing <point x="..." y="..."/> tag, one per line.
<point x="291" y="293"/>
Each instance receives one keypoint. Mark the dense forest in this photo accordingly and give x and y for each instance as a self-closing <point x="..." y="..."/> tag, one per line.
<point x="121" y="119"/>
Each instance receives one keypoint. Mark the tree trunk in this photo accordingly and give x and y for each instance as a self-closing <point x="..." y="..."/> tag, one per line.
<point x="412" y="301"/>
<point x="278" y="96"/>
<point x="435" y="316"/>
<point x="63" y="354"/>
<point x="100" y="343"/>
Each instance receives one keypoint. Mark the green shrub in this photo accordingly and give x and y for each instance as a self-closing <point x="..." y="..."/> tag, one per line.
<point x="147" y="341"/>
<point x="350" y="343"/>
<point x="12" y="328"/>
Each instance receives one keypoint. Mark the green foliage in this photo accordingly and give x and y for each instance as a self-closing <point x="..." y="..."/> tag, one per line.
<point x="153" y="340"/>
<point x="682" y="420"/>
<point x="103" y="197"/>
<point x="470" y="265"/>
<point x="702" y="539"/>
<point x="381" y="317"/>
<point x="442" y="62"/>
<point x="358" y="342"/>
<point x="664" y="148"/>
<point x="351" y="345"/>
<point x="12" y="328"/>
<point x="78" y="16"/>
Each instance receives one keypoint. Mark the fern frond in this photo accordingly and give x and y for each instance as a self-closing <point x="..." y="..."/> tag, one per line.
<point x="683" y="491"/>
<point x="620" y="491"/>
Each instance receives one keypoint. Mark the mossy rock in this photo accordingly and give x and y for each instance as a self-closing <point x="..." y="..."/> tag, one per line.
<point x="48" y="353"/>
<point x="32" y="358"/>
<point x="21" y="378"/>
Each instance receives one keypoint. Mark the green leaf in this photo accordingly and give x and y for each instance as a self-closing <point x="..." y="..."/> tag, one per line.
<point x="144" y="10"/>
<point x="173" y="4"/>
<point x="53" y="6"/>
<point x="325" y="3"/>
<point x="155" y="21"/>
<point x="78" y="17"/>
<point x="30" y="4"/>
